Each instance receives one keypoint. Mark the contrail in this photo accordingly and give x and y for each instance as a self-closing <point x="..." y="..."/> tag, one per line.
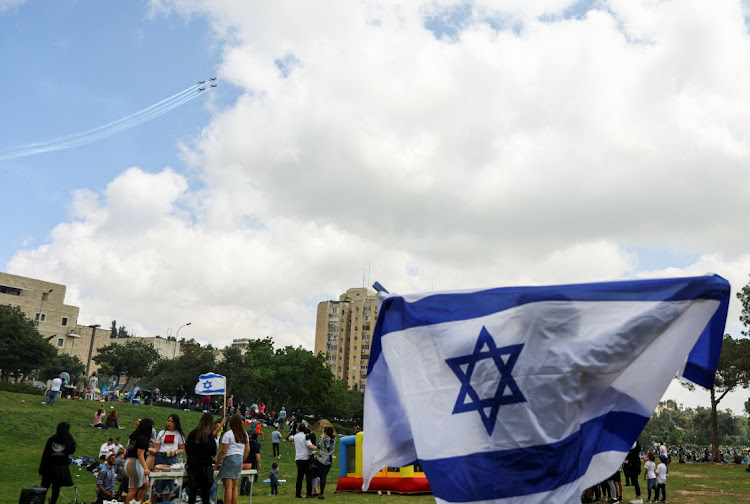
<point x="106" y="130"/>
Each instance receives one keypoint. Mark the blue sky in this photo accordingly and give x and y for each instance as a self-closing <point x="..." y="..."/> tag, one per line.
<point x="78" y="65"/>
<point x="437" y="145"/>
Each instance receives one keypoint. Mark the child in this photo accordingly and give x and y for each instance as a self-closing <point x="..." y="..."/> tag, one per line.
<point x="661" y="479"/>
<point x="274" y="475"/>
<point x="275" y="441"/>
<point x="650" y="476"/>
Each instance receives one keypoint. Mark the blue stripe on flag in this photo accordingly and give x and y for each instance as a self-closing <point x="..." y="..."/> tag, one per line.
<point x="704" y="357"/>
<point x="502" y="474"/>
<point x="397" y="314"/>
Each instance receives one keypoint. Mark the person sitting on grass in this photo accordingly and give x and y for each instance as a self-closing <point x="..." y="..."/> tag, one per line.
<point x="98" y="416"/>
<point x="111" y="421"/>
<point x="105" y="480"/>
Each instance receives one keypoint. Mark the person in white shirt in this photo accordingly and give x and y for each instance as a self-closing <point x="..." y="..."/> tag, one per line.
<point x="235" y="447"/>
<point x="106" y="448"/>
<point x="650" y="475"/>
<point x="171" y="442"/>
<point x="54" y="390"/>
<point x="116" y="447"/>
<point x="661" y="479"/>
<point x="303" y="450"/>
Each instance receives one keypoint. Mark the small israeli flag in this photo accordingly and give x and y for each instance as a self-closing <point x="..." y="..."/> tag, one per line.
<point x="211" y="383"/>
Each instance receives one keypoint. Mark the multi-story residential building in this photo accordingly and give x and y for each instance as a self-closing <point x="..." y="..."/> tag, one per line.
<point x="343" y="330"/>
<point x="241" y="344"/>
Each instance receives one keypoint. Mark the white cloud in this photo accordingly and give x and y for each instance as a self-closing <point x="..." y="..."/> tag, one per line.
<point x="7" y="5"/>
<point x="543" y="152"/>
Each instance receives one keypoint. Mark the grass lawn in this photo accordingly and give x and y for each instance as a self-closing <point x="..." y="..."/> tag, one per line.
<point x="25" y="427"/>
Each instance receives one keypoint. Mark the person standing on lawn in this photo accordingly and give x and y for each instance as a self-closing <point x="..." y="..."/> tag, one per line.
<point x="326" y="445"/>
<point x="234" y="449"/>
<point x="303" y="450"/>
<point x="200" y="448"/>
<point x="54" y="467"/>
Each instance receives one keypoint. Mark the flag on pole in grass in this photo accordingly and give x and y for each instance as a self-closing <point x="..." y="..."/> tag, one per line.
<point x="531" y="394"/>
<point x="211" y="383"/>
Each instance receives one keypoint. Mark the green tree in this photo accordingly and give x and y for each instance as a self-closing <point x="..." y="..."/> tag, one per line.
<point x="233" y="367"/>
<point x="22" y="348"/>
<point x="63" y="362"/>
<point x="133" y="358"/>
<point x="302" y="379"/>
<point x="733" y="372"/>
<point x="168" y="374"/>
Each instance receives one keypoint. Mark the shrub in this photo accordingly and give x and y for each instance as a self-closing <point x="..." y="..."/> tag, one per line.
<point x="20" y="388"/>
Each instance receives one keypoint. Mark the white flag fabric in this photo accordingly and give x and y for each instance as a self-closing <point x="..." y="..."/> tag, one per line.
<point x="211" y="383"/>
<point x="531" y="394"/>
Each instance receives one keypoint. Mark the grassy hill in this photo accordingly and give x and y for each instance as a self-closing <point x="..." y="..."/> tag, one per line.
<point x="25" y="425"/>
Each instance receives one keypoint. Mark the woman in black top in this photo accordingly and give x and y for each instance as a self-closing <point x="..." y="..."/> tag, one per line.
<point x="54" y="467"/>
<point x="632" y="467"/>
<point x="200" y="448"/>
<point x="135" y="463"/>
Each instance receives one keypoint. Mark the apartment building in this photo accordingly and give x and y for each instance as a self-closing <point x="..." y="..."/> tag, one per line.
<point x="343" y="330"/>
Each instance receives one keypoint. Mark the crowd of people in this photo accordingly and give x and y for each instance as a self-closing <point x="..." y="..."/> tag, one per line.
<point x="91" y="388"/>
<point x="223" y="447"/>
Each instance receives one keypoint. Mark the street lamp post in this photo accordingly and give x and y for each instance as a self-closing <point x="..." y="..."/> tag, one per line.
<point x="174" y="354"/>
<point x="91" y="346"/>
<point x="41" y="304"/>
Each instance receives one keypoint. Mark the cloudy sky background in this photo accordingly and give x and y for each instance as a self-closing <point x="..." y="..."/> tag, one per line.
<point x="433" y="145"/>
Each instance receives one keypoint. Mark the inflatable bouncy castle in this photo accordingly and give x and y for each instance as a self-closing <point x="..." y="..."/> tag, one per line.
<point x="405" y="480"/>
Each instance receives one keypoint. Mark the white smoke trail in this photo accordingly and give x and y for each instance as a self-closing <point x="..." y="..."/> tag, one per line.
<point x="114" y="128"/>
<point x="104" y="131"/>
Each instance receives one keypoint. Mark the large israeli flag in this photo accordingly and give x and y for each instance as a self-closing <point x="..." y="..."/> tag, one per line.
<point x="211" y="383"/>
<point x="531" y="394"/>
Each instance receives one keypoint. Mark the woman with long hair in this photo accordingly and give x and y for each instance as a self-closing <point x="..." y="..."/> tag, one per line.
<point x="200" y="448"/>
<point x="171" y="442"/>
<point x="112" y="420"/>
<point x="234" y="449"/>
<point x="54" y="467"/>
<point x="326" y="447"/>
<point x="135" y="463"/>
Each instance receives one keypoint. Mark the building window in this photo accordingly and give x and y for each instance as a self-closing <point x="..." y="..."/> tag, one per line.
<point x="64" y="321"/>
<point x="10" y="291"/>
<point x="38" y="319"/>
<point x="366" y="327"/>
<point x="334" y="310"/>
<point x="60" y="342"/>
<point x="366" y="309"/>
<point x="367" y="318"/>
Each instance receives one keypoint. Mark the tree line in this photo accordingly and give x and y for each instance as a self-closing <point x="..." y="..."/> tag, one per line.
<point x="291" y="376"/>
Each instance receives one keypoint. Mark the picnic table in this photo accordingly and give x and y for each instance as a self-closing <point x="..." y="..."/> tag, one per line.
<point x="179" y="475"/>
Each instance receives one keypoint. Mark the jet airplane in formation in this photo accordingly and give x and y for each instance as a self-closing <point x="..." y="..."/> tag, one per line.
<point x="201" y="82"/>
<point x="214" y="85"/>
<point x="201" y="89"/>
<point x="212" y="78"/>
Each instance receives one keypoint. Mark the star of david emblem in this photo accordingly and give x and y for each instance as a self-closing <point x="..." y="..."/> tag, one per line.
<point x="206" y="384"/>
<point x="507" y="391"/>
